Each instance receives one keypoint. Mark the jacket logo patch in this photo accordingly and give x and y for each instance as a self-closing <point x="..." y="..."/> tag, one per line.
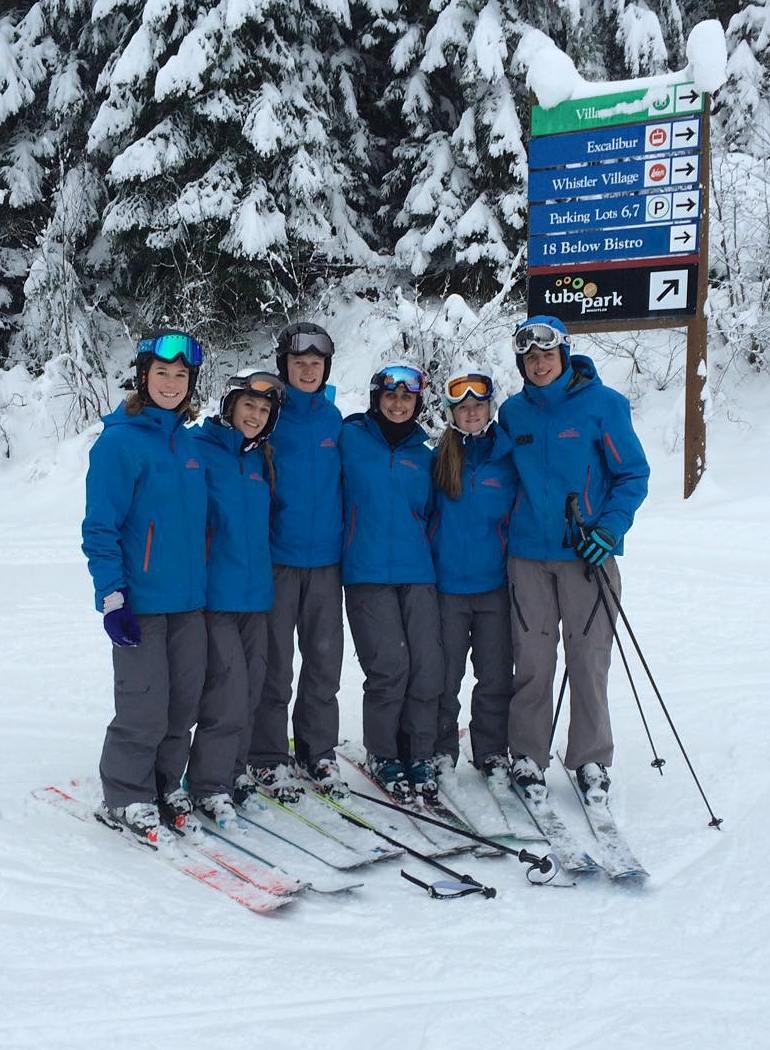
<point x="524" y="439"/>
<point x="328" y="443"/>
<point x="570" y="432"/>
<point x="408" y="463"/>
<point x="192" y="464"/>
<point x="494" y="483"/>
<point x="255" y="477"/>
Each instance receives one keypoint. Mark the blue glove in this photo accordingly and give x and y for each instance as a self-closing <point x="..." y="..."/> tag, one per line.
<point x="120" y="623"/>
<point x="596" y="546"/>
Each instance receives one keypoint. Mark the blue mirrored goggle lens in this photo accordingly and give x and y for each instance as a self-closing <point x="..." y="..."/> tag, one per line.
<point x="411" y="378"/>
<point x="173" y="345"/>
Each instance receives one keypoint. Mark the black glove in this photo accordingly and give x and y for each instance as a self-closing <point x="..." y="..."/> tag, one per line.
<point x="596" y="545"/>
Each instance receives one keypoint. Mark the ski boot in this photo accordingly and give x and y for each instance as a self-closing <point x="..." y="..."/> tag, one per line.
<point x="594" y="782"/>
<point x="279" y="782"/>
<point x="175" y="810"/>
<point x="325" y="774"/>
<point x="389" y="774"/>
<point x="422" y="777"/>
<point x="141" y="819"/>
<point x="527" y="775"/>
<point x="494" y="765"/>
<point x="219" y="809"/>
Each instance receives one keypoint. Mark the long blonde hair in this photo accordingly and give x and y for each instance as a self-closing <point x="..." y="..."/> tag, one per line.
<point x="449" y="462"/>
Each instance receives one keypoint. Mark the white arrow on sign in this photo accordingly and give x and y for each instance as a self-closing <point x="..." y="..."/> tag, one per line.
<point x="668" y="289"/>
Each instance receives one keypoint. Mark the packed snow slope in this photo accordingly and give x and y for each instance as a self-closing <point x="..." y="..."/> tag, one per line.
<point x="102" y="946"/>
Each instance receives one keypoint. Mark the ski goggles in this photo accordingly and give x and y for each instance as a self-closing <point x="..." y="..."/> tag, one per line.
<point x="540" y="335"/>
<point x="261" y="384"/>
<point x="392" y="376"/>
<point x="474" y="384"/>
<point x="172" y="345"/>
<point x="310" y="343"/>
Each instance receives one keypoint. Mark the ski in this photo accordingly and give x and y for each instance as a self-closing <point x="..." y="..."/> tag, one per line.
<point x="330" y="823"/>
<point x="280" y="855"/>
<point x="281" y="826"/>
<point x="618" y="860"/>
<point x="355" y="756"/>
<point x="518" y="819"/>
<point x="185" y="860"/>
<point x="571" y="856"/>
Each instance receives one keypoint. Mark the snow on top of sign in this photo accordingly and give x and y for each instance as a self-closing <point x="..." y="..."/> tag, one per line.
<point x="552" y="76"/>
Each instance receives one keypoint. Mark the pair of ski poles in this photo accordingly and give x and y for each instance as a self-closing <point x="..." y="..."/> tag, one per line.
<point x="576" y="521"/>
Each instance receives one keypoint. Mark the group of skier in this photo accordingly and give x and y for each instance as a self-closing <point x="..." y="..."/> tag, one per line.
<point x="210" y="546"/>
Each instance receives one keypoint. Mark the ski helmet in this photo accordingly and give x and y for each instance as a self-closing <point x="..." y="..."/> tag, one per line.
<point x="463" y="385"/>
<point x="304" y="337"/>
<point x="394" y="375"/>
<point x="168" y="344"/>
<point x="544" y="333"/>
<point x="255" y="384"/>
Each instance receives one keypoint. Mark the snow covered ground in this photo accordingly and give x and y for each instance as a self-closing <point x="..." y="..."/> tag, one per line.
<point x="103" y="947"/>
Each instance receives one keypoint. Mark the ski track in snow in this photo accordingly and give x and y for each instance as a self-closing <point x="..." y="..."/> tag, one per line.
<point x="102" y="945"/>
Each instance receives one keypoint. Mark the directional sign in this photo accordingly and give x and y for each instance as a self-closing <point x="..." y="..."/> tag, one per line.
<point x="621" y="177"/>
<point x="614" y="212"/>
<point x="627" y="107"/>
<point x="639" y="242"/>
<point x="587" y="147"/>
<point x="614" y="293"/>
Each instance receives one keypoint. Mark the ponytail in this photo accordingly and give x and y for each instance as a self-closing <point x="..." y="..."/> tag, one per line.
<point x="267" y="448"/>
<point x="448" y="466"/>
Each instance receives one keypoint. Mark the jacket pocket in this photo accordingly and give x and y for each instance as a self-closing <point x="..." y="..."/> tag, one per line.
<point x="148" y="546"/>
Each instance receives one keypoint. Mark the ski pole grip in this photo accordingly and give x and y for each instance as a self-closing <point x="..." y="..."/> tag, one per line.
<point x="543" y="864"/>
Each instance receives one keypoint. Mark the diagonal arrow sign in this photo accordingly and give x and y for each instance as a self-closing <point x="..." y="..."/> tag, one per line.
<point x="670" y="287"/>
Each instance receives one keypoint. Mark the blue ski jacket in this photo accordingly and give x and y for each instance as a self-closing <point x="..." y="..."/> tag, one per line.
<point x="573" y="436"/>
<point x="306" y="528"/>
<point x="239" y="571"/>
<point x="469" y="535"/>
<point x="144" y="530"/>
<point x="388" y="502"/>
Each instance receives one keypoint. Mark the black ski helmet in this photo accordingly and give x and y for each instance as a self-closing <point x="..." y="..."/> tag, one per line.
<point x="304" y="337"/>
<point x="167" y="344"/>
<point x="255" y="384"/>
<point x="393" y="375"/>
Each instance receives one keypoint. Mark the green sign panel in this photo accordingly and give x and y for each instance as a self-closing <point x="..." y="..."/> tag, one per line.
<point x="626" y="107"/>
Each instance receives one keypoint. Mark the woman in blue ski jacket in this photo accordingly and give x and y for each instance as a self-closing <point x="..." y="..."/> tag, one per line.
<point x="575" y="452"/>
<point x="240" y="476"/>
<point x="144" y="535"/>
<point x="473" y="476"/>
<point x="390" y="592"/>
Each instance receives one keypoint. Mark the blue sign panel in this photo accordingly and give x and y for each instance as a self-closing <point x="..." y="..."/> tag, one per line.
<point x="637" y="140"/>
<point x="639" y="242"/>
<point x="630" y="210"/>
<point x="621" y="177"/>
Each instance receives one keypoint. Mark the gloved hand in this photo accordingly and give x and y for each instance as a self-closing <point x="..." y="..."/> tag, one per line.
<point x="119" y="622"/>
<point x="596" y="545"/>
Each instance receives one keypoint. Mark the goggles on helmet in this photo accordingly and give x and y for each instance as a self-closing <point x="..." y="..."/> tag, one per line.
<point x="260" y="384"/>
<point x="172" y="345"/>
<point x="474" y="384"/>
<point x="392" y="376"/>
<point x="540" y="335"/>
<point x="310" y="343"/>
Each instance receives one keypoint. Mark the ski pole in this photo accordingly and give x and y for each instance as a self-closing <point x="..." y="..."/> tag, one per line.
<point x="573" y="515"/>
<point x="562" y="691"/>
<point x="443" y="889"/>
<point x="547" y="865"/>
<point x="715" y="821"/>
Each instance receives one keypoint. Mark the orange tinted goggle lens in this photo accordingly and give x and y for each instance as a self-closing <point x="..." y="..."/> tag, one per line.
<point x="262" y="385"/>
<point x="477" y="385"/>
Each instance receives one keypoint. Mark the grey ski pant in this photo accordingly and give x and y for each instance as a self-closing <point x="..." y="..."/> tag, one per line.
<point x="309" y="600"/>
<point x="237" y="659"/>
<point x="158" y="686"/>
<point x="397" y="633"/>
<point x="543" y="593"/>
<point x="481" y="623"/>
